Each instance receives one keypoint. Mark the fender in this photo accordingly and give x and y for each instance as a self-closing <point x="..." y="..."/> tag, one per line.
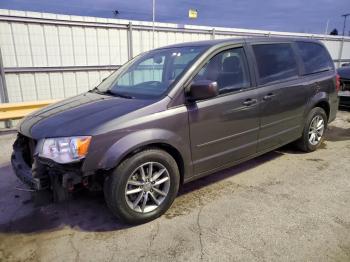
<point x="314" y="100"/>
<point x="131" y="142"/>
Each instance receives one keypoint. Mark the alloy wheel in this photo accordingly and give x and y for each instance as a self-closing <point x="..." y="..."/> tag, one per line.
<point x="316" y="130"/>
<point x="147" y="187"/>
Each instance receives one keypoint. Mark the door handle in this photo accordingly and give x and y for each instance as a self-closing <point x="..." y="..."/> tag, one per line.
<point x="268" y="96"/>
<point x="250" y="102"/>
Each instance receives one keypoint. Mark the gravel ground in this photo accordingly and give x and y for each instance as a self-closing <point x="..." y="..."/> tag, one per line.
<point x="282" y="206"/>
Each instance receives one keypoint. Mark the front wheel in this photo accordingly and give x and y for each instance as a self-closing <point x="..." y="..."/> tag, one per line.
<point x="143" y="186"/>
<point x="314" y="130"/>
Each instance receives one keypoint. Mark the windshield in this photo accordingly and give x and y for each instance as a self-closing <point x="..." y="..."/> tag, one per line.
<point x="150" y="75"/>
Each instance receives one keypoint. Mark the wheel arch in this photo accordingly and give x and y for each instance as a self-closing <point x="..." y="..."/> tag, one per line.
<point x="319" y="100"/>
<point x="136" y="142"/>
<point x="325" y="106"/>
<point x="171" y="150"/>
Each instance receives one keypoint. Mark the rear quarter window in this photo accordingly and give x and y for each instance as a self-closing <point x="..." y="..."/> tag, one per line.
<point x="315" y="57"/>
<point x="275" y="62"/>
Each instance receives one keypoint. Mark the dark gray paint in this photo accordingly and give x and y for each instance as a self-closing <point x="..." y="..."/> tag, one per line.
<point x="208" y="135"/>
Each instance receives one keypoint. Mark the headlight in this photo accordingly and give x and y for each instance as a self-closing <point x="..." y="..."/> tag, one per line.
<point x="65" y="149"/>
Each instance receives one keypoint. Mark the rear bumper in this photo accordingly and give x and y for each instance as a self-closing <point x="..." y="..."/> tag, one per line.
<point x="334" y="105"/>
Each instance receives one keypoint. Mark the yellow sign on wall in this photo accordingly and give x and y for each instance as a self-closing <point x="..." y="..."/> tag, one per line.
<point x="192" y="13"/>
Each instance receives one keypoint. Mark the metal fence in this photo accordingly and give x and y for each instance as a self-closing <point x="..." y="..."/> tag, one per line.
<point x="51" y="56"/>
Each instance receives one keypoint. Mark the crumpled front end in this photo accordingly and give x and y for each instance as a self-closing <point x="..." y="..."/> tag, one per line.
<point x="25" y="164"/>
<point x="43" y="174"/>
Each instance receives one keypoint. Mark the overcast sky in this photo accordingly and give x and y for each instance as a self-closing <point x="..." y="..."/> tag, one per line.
<point x="281" y="15"/>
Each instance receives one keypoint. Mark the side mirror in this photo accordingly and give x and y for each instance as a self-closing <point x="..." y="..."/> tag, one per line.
<point x="203" y="89"/>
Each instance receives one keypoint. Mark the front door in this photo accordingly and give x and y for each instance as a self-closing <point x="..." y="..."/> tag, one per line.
<point x="224" y="129"/>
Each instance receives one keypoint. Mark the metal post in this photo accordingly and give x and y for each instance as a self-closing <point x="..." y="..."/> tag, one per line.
<point x="130" y="44"/>
<point x="153" y="19"/>
<point x="340" y="52"/>
<point x="3" y="88"/>
<point x="213" y="34"/>
<point x="327" y="24"/>
<point x="345" y="16"/>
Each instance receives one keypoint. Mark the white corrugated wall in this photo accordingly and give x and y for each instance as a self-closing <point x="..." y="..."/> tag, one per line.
<point x="39" y="42"/>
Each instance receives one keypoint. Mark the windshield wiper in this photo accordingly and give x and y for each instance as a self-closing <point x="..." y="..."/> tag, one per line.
<point x="95" y="90"/>
<point x="109" y="92"/>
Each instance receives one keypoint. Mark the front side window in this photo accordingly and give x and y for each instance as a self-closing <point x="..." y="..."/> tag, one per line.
<point x="229" y="69"/>
<point x="275" y="62"/>
<point x="152" y="74"/>
<point x="315" y="57"/>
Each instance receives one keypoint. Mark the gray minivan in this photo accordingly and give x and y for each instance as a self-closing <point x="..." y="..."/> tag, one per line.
<point x="175" y="114"/>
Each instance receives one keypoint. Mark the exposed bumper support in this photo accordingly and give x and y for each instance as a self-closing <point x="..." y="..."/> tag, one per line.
<point x="24" y="172"/>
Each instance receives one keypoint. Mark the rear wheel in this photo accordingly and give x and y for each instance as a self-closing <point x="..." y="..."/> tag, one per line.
<point x="143" y="186"/>
<point x="314" y="130"/>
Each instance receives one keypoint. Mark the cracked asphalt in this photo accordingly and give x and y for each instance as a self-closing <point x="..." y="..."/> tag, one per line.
<point x="282" y="206"/>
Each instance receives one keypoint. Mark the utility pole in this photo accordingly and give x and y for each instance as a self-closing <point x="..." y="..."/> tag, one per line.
<point x="345" y="16"/>
<point x="326" y="31"/>
<point x="153" y="19"/>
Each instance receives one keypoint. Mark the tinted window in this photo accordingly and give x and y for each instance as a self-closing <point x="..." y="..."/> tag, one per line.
<point x="229" y="69"/>
<point x="275" y="62"/>
<point x="315" y="57"/>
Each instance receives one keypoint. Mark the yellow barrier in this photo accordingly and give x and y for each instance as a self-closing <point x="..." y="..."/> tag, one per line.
<point x="10" y="111"/>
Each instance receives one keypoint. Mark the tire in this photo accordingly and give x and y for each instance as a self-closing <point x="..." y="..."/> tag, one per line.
<point x="304" y="142"/>
<point x="126" y="177"/>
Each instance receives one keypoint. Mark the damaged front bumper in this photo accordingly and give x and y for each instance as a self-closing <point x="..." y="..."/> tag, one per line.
<point x="24" y="172"/>
<point x="43" y="174"/>
<point x="23" y="163"/>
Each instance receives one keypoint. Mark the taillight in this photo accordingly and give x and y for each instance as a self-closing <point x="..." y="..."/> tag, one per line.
<point x="337" y="83"/>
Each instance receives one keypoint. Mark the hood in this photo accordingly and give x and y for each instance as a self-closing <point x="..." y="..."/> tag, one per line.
<point x="78" y="115"/>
